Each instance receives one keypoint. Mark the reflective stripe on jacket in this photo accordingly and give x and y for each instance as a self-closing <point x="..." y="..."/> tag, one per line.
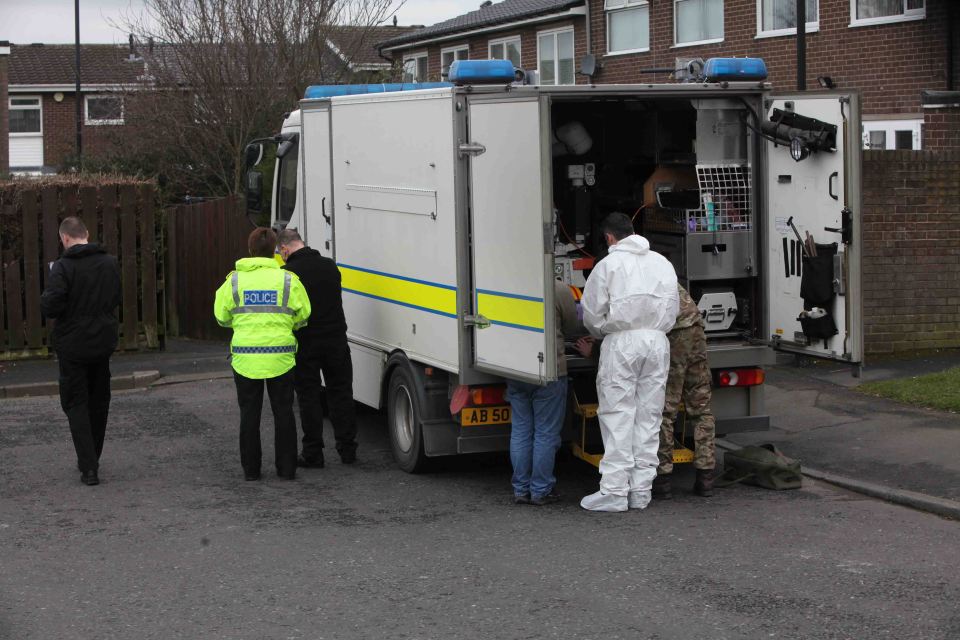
<point x="263" y="305"/>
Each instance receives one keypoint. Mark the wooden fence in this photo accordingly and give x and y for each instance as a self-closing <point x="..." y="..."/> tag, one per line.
<point x="204" y="241"/>
<point x="122" y="217"/>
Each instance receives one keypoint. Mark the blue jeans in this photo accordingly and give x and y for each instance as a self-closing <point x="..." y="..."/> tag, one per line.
<point x="538" y="414"/>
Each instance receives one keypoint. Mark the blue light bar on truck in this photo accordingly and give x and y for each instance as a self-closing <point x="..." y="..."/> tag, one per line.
<point x="333" y="90"/>
<point x="732" y="69"/>
<point x="481" y="72"/>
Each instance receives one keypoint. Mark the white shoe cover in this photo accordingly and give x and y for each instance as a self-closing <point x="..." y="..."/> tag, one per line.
<point x="638" y="499"/>
<point x="601" y="501"/>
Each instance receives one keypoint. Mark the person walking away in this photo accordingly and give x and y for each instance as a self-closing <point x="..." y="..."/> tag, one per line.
<point x="630" y="301"/>
<point x="323" y="349"/>
<point x="82" y="294"/>
<point x="537" y="415"/>
<point x="689" y="380"/>
<point x="263" y="305"/>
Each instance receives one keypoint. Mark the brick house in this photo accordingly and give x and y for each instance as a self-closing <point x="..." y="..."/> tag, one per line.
<point x="902" y="55"/>
<point x="891" y="50"/>
<point x="39" y="134"/>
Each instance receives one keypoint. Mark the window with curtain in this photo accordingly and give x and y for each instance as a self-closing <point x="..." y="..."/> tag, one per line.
<point x="697" y="20"/>
<point x="882" y="10"/>
<point x="555" y="57"/>
<point x="415" y="68"/>
<point x="447" y="56"/>
<point x="508" y="49"/>
<point x="780" y="15"/>
<point x="628" y="25"/>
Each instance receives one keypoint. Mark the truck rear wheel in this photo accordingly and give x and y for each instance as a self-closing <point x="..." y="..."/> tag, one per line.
<point x="404" y="420"/>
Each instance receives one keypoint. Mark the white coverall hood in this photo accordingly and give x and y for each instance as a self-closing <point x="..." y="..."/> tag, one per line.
<point x="631" y="300"/>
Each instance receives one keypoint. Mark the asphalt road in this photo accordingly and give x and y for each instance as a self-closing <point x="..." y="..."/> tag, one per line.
<point x="174" y="544"/>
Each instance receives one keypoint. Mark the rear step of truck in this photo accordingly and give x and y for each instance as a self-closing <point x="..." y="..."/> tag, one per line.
<point x="587" y="445"/>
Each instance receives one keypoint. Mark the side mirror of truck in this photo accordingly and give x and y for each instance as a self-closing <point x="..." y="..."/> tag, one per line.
<point x="254" y="191"/>
<point x="253" y="154"/>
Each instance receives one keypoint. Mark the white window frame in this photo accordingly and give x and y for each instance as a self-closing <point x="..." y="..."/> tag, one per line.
<point x="556" y="53"/>
<point x="625" y="5"/>
<point x="694" y="43"/>
<point x="86" y="110"/>
<point x="505" y="41"/>
<point x="890" y="127"/>
<point x="11" y="107"/>
<point x="454" y="50"/>
<point x="792" y="31"/>
<point x="416" y="57"/>
<point x="908" y="15"/>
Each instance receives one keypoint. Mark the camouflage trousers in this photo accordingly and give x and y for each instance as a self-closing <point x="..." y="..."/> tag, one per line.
<point x="689" y="381"/>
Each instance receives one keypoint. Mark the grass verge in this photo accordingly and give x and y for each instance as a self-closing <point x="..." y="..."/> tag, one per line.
<point x="935" y="390"/>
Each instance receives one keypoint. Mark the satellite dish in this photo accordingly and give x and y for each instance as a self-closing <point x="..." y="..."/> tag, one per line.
<point x="588" y="65"/>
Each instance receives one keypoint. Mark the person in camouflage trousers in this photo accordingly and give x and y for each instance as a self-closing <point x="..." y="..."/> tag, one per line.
<point x="689" y="380"/>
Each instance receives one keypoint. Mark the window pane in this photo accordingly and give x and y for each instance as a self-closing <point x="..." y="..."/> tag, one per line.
<point x="782" y="14"/>
<point x="24" y="102"/>
<point x="914" y="4"/>
<point x="904" y="139"/>
<point x="565" y="64"/>
<point x="422" y="69"/>
<point x="878" y="140"/>
<point x="546" y="64"/>
<point x="25" y="121"/>
<point x="446" y="59"/>
<point x="410" y="70"/>
<point x="513" y="52"/>
<point x="104" y="109"/>
<point x="288" y="183"/>
<point x="496" y="52"/>
<point x="879" y="8"/>
<point x="629" y="29"/>
<point x="699" y="20"/>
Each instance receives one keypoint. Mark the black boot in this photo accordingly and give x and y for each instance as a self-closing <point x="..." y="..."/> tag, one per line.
<point x="661" y="489"/>
<point x="703" y="485"/>
<point x="90" y="478"/>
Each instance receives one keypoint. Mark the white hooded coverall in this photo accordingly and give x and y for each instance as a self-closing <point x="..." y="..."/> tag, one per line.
<point x="631" y="302"/>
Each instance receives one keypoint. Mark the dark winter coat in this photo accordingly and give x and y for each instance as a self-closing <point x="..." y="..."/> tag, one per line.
<point x="321" y="278"/>
<point x="82" y="293"/>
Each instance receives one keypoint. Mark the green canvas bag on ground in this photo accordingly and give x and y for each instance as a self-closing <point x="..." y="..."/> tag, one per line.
<point x="761" y="465"/>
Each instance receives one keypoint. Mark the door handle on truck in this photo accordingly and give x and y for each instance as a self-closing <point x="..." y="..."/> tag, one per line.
<point x="323" y="209"/>
<point x="830" y="185"/>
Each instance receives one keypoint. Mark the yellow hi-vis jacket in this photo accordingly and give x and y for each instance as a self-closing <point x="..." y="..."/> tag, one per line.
<point x="263" y="304"/>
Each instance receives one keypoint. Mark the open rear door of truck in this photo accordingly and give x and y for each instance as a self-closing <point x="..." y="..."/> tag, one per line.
<point x="510" y="218"/>
<point x="813" y="233"/>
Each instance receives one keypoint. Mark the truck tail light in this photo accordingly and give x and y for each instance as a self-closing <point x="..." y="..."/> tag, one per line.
<point x="739" y="378"/>
<point x="464" y="396"/>
<point x="487" y="395"/>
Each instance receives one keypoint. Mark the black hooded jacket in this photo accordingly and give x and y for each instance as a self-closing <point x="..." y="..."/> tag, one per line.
<point x="82" y="292"/>
<point x="321" y="278"/>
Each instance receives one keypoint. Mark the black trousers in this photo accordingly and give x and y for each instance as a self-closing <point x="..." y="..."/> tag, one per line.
<point x="250" y="399"/>
<point x="85" y="398"/>
<point x="332" y="359"/>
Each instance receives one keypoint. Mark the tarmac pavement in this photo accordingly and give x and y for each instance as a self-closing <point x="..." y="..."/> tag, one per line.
<point x="874" y="446"/>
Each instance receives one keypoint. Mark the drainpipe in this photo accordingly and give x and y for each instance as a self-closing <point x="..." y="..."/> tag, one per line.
<point x="77" y="96"/>
<point x="586" y="4"/>
<point x="801" y="45"/>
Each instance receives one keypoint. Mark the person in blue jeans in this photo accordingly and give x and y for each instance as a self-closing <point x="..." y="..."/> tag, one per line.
<point x="538" y="413"/>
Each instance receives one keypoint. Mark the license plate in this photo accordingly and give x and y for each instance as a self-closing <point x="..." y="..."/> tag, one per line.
<point x="477" y="417"/>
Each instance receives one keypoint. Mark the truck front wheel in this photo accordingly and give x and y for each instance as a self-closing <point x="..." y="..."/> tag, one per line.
<point x="404" y="421"/>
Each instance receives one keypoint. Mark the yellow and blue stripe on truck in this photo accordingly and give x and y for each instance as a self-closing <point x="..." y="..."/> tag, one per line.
<point x="504" y="309"/>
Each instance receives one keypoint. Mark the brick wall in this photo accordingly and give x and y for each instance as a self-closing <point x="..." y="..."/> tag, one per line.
<point x="888" y="63"/>
<point x="4" y="120"/>
<point x="941" y="129"/>
<point x="911" y="250"/>
<point x="60" y="132"/>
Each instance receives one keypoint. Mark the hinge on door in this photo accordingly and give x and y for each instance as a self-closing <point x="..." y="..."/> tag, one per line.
<point x="471" y="149"/>
<point x="478" y="321"/>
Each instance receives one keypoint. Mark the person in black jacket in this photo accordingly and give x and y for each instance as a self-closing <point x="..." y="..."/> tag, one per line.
<point x="82" y="292"/>
<point x="322" y="347"/>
